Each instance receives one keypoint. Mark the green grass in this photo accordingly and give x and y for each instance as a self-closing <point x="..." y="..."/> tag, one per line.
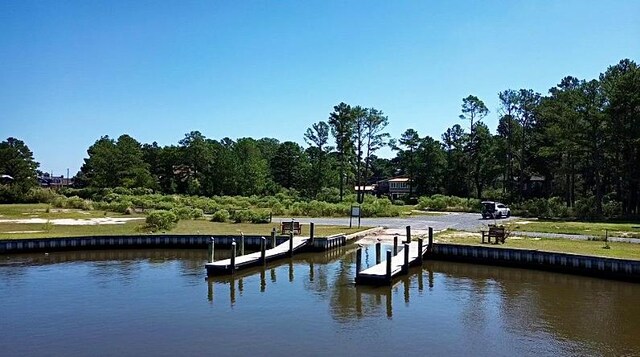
<point x="138" y="227"/>
<point x="594" y="248"/>
<point x="629" y="230"/>
<point x="39" y="210"/>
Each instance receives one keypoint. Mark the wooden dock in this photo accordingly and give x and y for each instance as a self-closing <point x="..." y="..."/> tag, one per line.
<point x="383" y="273"/>
<point x="228" y="266"/>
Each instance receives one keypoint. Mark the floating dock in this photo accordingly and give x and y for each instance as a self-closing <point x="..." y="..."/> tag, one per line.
<point x="286" y="249"/>
<point x="396" y="264"/>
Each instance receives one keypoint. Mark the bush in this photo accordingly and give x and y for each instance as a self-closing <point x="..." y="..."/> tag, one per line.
<point x="40" y="195"/>
<point x="161" y="220"/>
<point x="221" y="216"/>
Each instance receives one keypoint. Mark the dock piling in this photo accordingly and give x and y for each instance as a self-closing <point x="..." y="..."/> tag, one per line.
<point x="420" y="257"/>
<point x="358" y="261"/>
<point x="241" y="243"/>
<point x="263" y="250"/>
<point x="311" y="232"/>
<point x="405" y="267"/>
<point x="408" y="234"/>
<point x="378" y="254"/>
<point x="211" y="250"/>
<point x="232" y="267"/>
<point x="291" y="244"/>
<point x="395" y="245"/>
<point x="273" y="237"/>
<point x="430" y="246"/>
<point x="388" y="265"/>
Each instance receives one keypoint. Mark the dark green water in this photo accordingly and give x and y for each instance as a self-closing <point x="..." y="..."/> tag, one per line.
<point x="158" y="303"/>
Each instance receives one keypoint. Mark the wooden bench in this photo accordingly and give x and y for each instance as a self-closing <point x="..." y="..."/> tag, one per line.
<point x="500" y="234"/>
<point x="291" y="226"/>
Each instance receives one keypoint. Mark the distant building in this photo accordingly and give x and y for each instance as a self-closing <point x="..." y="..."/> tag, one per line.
<point x="394" y="187"/>
<point x="55" y="182"/>
<point x="368" y="189"/>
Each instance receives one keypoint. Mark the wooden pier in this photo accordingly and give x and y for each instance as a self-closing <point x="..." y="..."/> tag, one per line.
<point x="396" y="264"/>
<point x="229" y="266"/>
<point x="285" y="249"/>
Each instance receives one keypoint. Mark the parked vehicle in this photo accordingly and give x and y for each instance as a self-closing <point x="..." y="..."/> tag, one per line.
<point x="492" y="209"/>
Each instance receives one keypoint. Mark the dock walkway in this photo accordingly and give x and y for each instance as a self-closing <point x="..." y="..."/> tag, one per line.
<point x="228" y="266"/>
<point x="384" y="273"/>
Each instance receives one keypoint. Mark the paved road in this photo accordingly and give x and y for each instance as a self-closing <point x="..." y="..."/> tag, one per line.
<point x="461" y="221"/>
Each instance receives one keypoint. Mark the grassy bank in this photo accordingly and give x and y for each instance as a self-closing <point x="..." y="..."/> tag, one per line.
<point x="595" y="248"/>
<point x="628" y="230"/>
<point x="138" y="227"/>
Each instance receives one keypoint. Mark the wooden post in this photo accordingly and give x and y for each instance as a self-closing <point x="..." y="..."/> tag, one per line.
<point x="211" y="250"/>
<point x="358" y="262"/>
<point x="395" y="245"/>
<point x="263" y="250"/>
<point x="241" y="243"/>
<point x="420" y="250"/>
<point x="406" y="258"/>
<point x="311" y="232"/>
<point x="273" y="237"/>
<point x="378" y="253"/>
<point x="408" y="234"/>
<point x="233" y="257"/>
<point x="430" y="246"/>
<point x="291" y="244"/>
<point x="388" y="265"/>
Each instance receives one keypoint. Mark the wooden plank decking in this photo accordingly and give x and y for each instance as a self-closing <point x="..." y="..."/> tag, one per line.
<point x="378" y="275"/>
<point x="244" y="261"/>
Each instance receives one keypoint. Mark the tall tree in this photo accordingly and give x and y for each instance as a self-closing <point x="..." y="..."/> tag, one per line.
<point x="16" y="160"/>
<point x="317" y="136"/>
<point x="341" y="123"/>
<point x="359" y="117"/>
<point x="408" y="145"/>
<point x="474" y="110"/>
<point x="376" y="138"/>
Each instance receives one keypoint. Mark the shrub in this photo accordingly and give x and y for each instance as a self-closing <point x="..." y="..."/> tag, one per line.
<point x="221" y="216"/>
<point x="40" y="195"/>
<point x="161" y="220"/>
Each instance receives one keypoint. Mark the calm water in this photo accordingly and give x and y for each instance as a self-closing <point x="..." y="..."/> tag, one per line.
<point x="158" y="302"/>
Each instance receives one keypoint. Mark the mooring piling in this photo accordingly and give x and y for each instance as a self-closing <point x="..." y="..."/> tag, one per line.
<point x="405" y="267"/>
<point x="211" y="250"/>
<point x="408" y="234"/>
<point x="430" y="246"/>
<point x="311" y="232"/>
<point x="233" y="257"/>
<point x="395" y="245"/>
<point x="420" y="257"/>
<point x="291" y="244"/>
<point x="388" y="265"/>
<point x="241" y="243"/>
<point x="273" y="237"/>
<point x="358" y="261"/>
<point x="263" y="250"/>
<point x="378" y="257"/>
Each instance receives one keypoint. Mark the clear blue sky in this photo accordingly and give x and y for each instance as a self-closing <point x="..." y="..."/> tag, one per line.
<point x="72" y="71"/>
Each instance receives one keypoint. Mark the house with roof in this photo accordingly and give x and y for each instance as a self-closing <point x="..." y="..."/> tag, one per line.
<point x="394" y="188"/>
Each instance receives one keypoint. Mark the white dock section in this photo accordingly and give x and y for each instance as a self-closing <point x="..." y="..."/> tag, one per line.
<point x="226" y="266"/>
<point x="378" y="274"/>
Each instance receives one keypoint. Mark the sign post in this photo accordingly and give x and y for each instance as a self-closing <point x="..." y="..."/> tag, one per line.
<point x="355" y="212"/>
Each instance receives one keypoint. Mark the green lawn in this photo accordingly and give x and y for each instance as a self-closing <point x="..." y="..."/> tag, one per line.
<point x="616" y="250"/>
<point x="138" y="227"/>
<point x="42" y="210"/>
<point x="629" y="230"/>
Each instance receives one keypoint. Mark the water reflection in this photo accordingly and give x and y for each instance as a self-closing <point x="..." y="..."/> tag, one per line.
<point x="471" y="306"/>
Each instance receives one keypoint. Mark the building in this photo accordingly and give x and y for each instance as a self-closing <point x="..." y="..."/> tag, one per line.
<point x="55" y="182"/>
<point x="395" y="187"/>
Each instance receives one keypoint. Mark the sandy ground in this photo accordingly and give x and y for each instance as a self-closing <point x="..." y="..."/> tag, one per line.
<point x="73" y="222"/>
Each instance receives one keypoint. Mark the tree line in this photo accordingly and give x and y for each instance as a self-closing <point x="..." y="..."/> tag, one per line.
<point x="578" y="143"/>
